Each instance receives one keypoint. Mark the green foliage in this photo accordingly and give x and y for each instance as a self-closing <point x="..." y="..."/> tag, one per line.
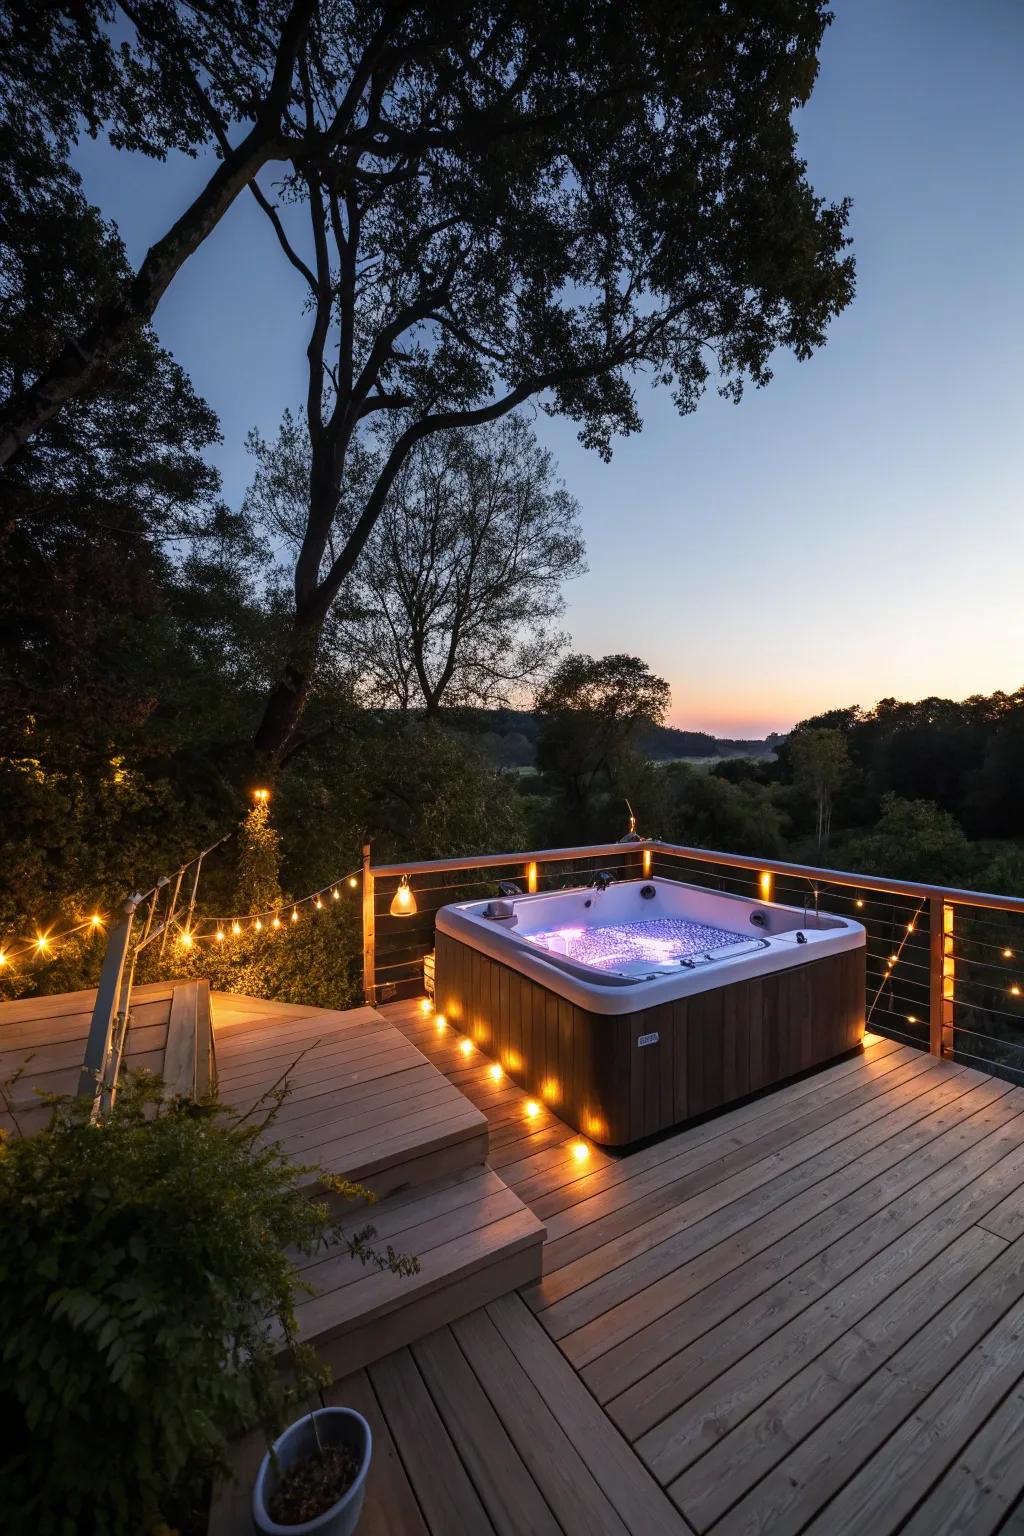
<point x="146" y="1297"/>
<point x="705" y="810"/>
<point x="259" y="862"/>
<point x="591" y="714"/>
<point x="913" y="840"/>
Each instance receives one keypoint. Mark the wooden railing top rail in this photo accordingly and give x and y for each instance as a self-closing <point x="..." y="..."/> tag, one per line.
<point x="887" y="885"/>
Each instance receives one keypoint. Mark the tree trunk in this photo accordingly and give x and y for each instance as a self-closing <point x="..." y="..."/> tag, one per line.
<point x="284" y="710"/>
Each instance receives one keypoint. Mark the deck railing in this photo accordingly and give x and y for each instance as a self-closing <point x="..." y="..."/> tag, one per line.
<point x="945" y="965"/>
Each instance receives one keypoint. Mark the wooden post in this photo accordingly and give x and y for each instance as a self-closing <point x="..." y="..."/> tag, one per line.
<point x="942" y="973"/>
<point x="369" y="929"/>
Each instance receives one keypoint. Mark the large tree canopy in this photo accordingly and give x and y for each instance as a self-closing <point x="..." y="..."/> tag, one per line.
<point x="541" y="202"/>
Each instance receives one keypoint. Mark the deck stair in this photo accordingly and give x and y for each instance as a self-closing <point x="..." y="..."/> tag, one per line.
<point x="365" y="1103"/>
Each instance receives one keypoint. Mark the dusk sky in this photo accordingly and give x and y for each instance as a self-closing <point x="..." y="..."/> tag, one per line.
<point x="855" y="530"/>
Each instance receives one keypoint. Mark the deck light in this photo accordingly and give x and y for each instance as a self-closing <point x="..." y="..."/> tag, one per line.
<point x="495" y="1072"/>
<point x="580" y="1151"/>
<point x="442" y="1023"/>
<point x="466" y="1046"/>
<point x="424" y="1005"/>
<point x="532" y="1109"/>
<point x="766" y="882"/>
<point x="403" y="903"/>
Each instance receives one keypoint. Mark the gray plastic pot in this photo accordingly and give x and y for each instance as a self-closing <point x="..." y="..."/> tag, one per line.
<point x="336" y="1426"/>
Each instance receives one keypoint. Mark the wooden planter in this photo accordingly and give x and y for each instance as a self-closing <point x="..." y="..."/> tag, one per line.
<point x="618" y="1079"/>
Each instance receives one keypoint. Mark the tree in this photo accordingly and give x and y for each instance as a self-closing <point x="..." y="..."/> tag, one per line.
<point x="913" y="840"/>
<point x="709" y="811"/>
<point x="156" y="76"/>
<point x="591" y="713"/>
<point x="820" y="764"/>
<point x="455" y="598"/>
<point x="539" y="204"/>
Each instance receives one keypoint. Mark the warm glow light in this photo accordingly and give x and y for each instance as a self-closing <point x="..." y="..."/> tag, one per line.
<point x="425" y="1005"/>
<point x="495" y="1072"/>
<point x="466" y="1046"/>
<point x="859" y="902"/>
<point x="1015" y="990"/>
<point x="910" y="927"/>
<point x="580" y="1151"/>
<point x="236" y="927"/>
<point x="3" y="958"/>
<point x="647" y="863"/>
<point x="42" y="943"/>
<point x="318" y="903"/>
<point x="513" y="1061"/>
<point x="295" y="914"/>
<point x="1007" y="954"/>
<point x="893" y="959"/>
<point x="766" y="882"/>
<point x="334" y="894"/>
<point x="219" y="936"/>
<point x="186" y="940"/>
<point x="353" y="882"/>
<point x="261" y="794"/>
<point x="96" y="920"/>
<point x="911" y="1018"/>
<point x="403" y="903"/>
<point x="532" y="1109"/>
<point x="550" y="1090"/>
<point x="276" y="923"/>
<point x="531" y="877"/>
<point x="258" y="926"/>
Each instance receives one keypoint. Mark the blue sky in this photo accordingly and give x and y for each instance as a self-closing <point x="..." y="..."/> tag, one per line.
<point x="855" y="530"/>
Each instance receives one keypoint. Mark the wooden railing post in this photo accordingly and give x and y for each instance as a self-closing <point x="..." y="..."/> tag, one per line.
<point x="369" y="929"/>
<point x="942" y="973"/>
<point x="106" y="1021"/>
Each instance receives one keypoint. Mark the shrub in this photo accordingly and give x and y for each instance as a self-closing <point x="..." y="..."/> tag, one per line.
<point x="146" y="1297"/>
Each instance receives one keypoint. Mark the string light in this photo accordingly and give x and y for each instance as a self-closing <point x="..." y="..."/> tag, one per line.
<point x="258" y="926"/>
<point x="276" y="923"/>
<point x="295" y="914"/>
<point x="95" y="921"/>
<point x="334" y="893"/>
<point x="3" y="959"/>
<point x="236" y="927"/>
<point x="42" y="943"/>
<point x="318" y="904"/>
<point x="353" y="882"/>
<point x="186" y="940"/>
<point x="219" y="936"/>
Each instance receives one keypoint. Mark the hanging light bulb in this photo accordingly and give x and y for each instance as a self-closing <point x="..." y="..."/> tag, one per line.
<point x="3" y="960"/>
<point x="318" y="903"/>
<point x="258" y="926"/>
<point x="186" y="940"/>
<point x="295" y="914"/>
<point x="219" y="935"/>
<point x="334" y="894"/>
<point x="96" y="921"/>
<point x="403" y="903"/>
<point x="276" y="923"/>
<point x="236" y="927"/>
<point x="353" y="882"/>
<point x="42" y="943"/>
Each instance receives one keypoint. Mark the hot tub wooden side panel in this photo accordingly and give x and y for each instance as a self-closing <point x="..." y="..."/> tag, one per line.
<point x="712" y="1048"/>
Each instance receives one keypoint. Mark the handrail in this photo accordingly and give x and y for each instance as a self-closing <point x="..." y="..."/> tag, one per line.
<point x="888" y="885"/>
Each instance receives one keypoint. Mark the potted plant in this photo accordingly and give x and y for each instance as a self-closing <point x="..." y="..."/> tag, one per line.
<point x="313" y="1478"/>
<point x="148" y="1294"/>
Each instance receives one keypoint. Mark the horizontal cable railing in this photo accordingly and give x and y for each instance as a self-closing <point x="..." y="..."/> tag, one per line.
<point x="945" y="966"/>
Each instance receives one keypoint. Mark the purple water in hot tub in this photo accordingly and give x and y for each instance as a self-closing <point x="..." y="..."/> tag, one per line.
<point x="663" y="941"/>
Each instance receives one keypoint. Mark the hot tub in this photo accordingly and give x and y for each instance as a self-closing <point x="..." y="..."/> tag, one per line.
<point x="637" y="1007"/>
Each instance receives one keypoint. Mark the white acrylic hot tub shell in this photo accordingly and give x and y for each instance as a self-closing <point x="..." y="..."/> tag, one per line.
<point x="601" y="992"/>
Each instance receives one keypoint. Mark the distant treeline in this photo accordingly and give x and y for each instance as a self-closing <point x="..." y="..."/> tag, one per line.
<point x="509" y="739"/>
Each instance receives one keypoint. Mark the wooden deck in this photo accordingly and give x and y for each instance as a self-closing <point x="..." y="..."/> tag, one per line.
<point x="803" y="1315"/>
<point x="806" y="1314"/>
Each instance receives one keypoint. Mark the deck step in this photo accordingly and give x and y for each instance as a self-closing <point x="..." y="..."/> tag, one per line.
<point x="363" y="1101"/>
<point x="475" y="1241"/>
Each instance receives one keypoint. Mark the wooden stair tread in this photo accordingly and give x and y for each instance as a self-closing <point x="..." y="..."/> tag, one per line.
<point x="454" y="1227"/>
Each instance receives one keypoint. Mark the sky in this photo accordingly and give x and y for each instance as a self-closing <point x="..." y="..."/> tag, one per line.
<point x="852" y="532"/>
